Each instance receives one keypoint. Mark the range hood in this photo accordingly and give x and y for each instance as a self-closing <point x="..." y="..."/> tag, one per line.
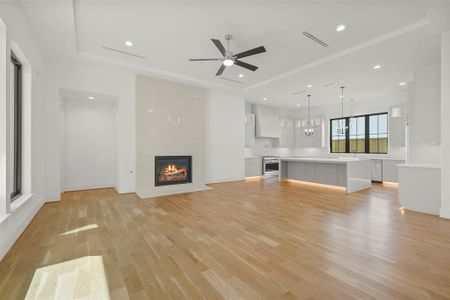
<point x="267" y="121"/>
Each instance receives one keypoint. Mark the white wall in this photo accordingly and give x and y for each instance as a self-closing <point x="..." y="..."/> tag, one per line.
<point x="90" y="144"/>
<point x="14" y="218"/>
<point x="89" y="76"/>
<point x="225" y="138"/>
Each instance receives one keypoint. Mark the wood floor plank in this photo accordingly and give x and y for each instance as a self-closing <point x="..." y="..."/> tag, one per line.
<point x="240" y="240"/>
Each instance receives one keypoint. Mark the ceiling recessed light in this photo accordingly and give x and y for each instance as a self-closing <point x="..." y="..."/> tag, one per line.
<point x="264" y="98"/>
<point x="298" y="104"/>
<point x="241" y="75"/>
<point x="402" y="83"/>
<point x="340" y="28"/>
<point x="91" y="98"/>
<point x="377" y="67"/>
<point x="129" y="43"/>
<point x="309" y="86"/>
<point x="341" y="96"/>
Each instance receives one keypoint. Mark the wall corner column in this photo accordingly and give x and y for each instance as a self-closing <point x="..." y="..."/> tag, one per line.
<point x="445" y="124"/>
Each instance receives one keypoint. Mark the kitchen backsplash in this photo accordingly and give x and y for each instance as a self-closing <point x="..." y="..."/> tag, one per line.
<point x="265" y="147"/>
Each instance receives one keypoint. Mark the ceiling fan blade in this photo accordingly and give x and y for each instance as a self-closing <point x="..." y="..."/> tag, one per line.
<point x="250" y="52"/>
<point x="245" y="65"/>
<point x="221" y="69"/>
<point x="219" y="46"/>
<point x="204" y="59"/>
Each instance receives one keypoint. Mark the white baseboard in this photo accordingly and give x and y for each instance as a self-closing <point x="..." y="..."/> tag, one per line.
<point x="123" y="190"/>
<point x="52" y="198"/>
<point x="77" y="187"/>
<point x="444" y="213"/>
<point x="212" y="181"/>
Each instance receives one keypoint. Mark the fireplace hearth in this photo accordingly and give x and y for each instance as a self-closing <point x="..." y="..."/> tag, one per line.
<point x="171" y="170"/>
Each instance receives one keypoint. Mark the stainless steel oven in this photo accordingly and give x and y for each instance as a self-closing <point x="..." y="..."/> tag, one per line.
<point x="271" y="165"/>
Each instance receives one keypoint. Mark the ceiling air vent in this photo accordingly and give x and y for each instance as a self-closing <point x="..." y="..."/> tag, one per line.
<point x="299" y="92"/>
<point x="229" y="79"/>
<point x="315" y="39"/>
<point x="330" y="84"/>
<point x="124" y="52"/>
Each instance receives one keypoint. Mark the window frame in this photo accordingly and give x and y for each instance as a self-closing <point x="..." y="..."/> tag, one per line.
<point x="366" y="133"/>
<point x="17" y="111"/>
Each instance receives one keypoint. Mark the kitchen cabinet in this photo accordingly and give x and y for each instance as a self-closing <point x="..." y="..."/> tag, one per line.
<point x="353" y="174"/>
<point x="397" y="124"/>
<point x="253" y="167"/>
<point x="317" y="140"/>
<point x="287" y="133"/>
<point x="424" y="107"/>
<point x="377" y="170"/>
<point x="250" y="137"/>
<point x="390" y="170"/>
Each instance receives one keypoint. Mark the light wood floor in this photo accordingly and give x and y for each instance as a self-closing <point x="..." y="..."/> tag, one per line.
<point x="241" y="240"/>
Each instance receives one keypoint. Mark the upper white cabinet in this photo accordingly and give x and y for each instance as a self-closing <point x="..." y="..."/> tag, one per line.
<point x="287" y="133"/>
<point x="397" y="124"/>
<point x="250" y="138"/>
<point x="424" y="107"/>
<point x="316" y="140"/>
<point x="267" y="121"/>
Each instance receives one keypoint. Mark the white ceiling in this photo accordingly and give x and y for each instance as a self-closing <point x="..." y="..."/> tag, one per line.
<point x="399" y="35"/>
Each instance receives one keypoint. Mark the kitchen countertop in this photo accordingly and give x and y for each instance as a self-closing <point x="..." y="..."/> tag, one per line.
<point x="343" y="160"/>
<point x="418" y="165"/>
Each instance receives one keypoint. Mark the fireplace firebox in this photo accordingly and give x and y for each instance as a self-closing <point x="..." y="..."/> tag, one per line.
<point x="173" y="170"/>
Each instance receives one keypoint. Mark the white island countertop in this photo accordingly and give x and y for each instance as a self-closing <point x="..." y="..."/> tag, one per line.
<point x="325" y="160"/>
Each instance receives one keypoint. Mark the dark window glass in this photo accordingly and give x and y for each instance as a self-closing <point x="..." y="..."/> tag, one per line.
<point x="338" y="140"/>
<point x="359" y="134"/>
<point x="16" y="121"/>
<point x="378" y="134"/>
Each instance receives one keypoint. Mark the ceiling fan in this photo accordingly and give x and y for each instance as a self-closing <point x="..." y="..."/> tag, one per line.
<point x="229" y="58"/>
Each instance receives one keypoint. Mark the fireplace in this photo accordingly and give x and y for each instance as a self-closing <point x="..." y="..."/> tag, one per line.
<point x="173" y="170"/>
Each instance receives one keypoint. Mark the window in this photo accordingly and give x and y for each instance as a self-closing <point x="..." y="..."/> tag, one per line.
<point x="338" y="136"/>
<point x="360" y="134"/>
<point x="16" y="128"/>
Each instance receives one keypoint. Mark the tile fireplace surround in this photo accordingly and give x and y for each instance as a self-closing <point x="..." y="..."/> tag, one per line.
<point x="170" y="121"/>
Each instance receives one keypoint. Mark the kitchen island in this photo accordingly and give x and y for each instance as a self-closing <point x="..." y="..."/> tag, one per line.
<point x="354" y="174"/>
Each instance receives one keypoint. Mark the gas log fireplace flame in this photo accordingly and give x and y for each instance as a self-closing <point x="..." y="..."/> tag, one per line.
<point x="172" y="172"/>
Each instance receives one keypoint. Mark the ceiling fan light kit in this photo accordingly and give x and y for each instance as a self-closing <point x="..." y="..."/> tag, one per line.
<point x="229" y="58"/>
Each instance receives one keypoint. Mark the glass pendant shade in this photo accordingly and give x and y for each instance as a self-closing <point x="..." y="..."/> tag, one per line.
<point x="342" y="127"/>
<point x="310" y="125"/>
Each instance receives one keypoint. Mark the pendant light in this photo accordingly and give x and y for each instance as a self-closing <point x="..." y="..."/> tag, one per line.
<point x="342" y="127"/>
<point x="310" y="125"/>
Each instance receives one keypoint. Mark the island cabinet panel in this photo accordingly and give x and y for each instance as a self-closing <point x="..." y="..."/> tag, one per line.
<point x="303" y="171"/>
<point x="331" y="174"/>
<point x="342" y="175"/>
<point x="352" y="174"/>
